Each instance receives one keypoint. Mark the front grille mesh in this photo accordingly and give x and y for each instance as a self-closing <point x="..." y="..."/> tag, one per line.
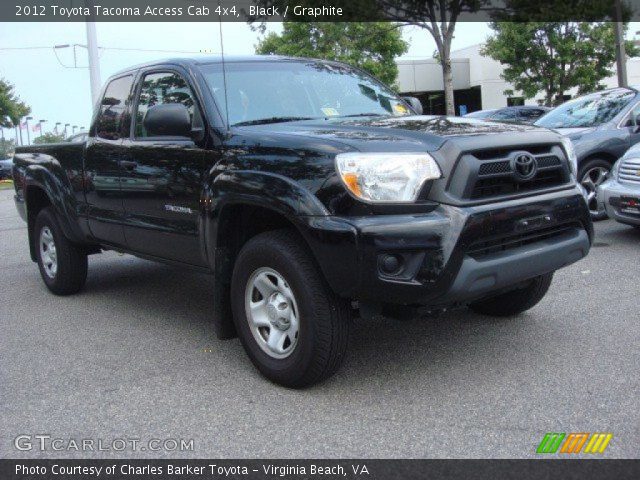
<point x="630" y="171"/>
<point x="506" y="185"/>
<point x="495" y="167"/>
<point x="507" y="242"/>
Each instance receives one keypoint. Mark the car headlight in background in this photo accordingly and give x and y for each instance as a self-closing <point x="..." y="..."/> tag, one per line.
<point x="567" y="144"/>
<point x="386" y="177"/>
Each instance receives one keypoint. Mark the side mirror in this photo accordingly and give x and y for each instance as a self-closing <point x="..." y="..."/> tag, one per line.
<point x="415" y="104"/>
<point x="167" y="120"/>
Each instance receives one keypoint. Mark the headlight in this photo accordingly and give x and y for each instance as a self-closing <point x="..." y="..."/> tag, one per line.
<point x="386" y="177"/>
<point x="571" y="155"/>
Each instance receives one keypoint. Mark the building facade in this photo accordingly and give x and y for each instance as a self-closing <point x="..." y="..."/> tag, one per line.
<point x="476" y="81"/>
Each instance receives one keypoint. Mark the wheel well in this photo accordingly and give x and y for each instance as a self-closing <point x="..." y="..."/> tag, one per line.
<point x="36" y="199"/>
<point x="239" y="223"/>
<point x="607" y="157"/>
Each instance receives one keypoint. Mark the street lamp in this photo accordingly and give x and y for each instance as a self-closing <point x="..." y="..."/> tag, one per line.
<point x="74" y="128"/>
<point x="56" y="128"/>
<point x="26" y="121"/>
<point x="65" y="129"/>
<point x="41" y="122"/>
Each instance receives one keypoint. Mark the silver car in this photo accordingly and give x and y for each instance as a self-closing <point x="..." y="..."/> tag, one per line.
<point x="620" y="194"/>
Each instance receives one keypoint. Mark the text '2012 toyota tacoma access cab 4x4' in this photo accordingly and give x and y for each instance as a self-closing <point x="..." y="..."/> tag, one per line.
<point x="308" y="189"/>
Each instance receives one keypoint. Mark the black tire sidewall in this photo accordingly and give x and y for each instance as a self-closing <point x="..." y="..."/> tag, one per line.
<point x="291" y="369"/>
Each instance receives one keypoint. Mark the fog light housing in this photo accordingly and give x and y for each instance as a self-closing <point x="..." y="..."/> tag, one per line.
<point x="390" y="264"/>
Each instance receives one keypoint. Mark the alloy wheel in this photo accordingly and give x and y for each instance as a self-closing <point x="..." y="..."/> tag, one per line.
<point x="272" y="313"/>
<point x="591" y="180"/>
<point x="48" y="254"/>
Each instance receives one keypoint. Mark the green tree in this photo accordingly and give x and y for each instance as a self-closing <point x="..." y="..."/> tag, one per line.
<point x="372" y="47"/>
<point x="7" y="148"/>
<point x="49" y="137"/>
<point x="11" y="108"/>
<point x="553" y="57"/>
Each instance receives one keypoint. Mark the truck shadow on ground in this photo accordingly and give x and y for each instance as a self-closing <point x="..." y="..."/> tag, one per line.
<point x="165" y="297"/>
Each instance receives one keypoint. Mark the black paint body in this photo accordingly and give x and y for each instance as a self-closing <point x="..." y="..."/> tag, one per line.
<point x="178" y="200"/>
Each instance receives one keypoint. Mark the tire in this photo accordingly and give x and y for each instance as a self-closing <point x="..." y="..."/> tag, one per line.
<point x="322" y="319"/>
<point x="515" y="301"/>
<point x="70" y="261"/>
<point x="590" y="176"/>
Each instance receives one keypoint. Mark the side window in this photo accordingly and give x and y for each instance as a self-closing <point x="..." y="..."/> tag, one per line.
<point x="530" y="113"/>
<point x="505" y="114"/>
<point x="166" y="87"/>
<point x="633" y="116"/>
<point x="112" y="108"/>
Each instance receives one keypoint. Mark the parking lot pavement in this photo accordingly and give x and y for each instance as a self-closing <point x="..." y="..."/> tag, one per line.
<point x="134" y="356"/>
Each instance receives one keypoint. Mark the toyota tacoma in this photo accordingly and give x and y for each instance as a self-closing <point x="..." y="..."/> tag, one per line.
<point x="310" y="191"/>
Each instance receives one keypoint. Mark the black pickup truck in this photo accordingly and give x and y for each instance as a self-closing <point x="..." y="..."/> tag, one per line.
<point x="309" y="190"/>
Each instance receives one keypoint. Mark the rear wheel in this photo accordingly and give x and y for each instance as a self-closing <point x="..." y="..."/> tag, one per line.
<point x="515" y="301"/>
<point x="63" y="265"/>
<point x="292" y="326"/>
<point x="592" y="174"/>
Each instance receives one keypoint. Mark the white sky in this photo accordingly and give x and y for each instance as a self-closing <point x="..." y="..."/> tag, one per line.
<point x="61" y="94"/>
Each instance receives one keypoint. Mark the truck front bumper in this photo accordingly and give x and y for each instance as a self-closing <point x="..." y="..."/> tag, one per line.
<point x="452" y="255"/>
<point x="610" y="194"/>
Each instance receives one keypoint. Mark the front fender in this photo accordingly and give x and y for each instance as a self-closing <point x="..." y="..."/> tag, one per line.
<point x="327" y="238"/>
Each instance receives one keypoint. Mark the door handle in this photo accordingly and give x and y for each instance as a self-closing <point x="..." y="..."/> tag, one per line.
<point x="128" y="165"/>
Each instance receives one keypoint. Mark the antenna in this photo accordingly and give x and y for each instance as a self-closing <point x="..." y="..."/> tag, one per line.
<point x="224" y="73"/>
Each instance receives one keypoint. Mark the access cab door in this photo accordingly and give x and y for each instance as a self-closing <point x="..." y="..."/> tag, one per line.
<point x="102" y="171"/>
<point x="162" y="177"/>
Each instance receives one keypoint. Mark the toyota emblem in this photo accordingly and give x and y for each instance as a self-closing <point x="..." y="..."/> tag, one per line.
<point x="524" y="166"/>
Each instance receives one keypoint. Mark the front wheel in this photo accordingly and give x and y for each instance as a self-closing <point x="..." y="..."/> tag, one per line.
<point x="63" y="265"/>
<point x="292" y="326"/>
<point x="592" y="174"/>
<point x="515" y="301"/>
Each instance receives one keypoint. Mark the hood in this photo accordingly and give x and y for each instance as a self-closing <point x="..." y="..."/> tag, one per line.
<point x="416" y="132"/>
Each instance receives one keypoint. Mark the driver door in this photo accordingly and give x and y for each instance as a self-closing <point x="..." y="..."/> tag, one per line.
<point x="162" y="177"/>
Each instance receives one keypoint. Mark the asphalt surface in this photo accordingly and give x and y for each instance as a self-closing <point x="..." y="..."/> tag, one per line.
<point x="134" y="357"/>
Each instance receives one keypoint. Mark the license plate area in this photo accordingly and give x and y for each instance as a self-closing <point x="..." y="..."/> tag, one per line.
<point x="630" y="205"/>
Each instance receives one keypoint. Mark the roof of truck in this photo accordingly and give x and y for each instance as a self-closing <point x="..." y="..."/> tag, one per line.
<point x="205" y="59"/>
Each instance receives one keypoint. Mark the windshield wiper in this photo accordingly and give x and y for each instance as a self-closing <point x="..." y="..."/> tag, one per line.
<point x="261" y="121"/>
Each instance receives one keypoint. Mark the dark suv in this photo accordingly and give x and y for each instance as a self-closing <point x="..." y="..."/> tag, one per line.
<point x="309" y="189"/>
<point x="602" y="127"/>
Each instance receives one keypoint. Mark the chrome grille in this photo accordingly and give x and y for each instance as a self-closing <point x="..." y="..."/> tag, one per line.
<point x="630" y="171"/>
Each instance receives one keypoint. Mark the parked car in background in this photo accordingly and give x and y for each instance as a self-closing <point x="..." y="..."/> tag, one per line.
<point x="522" y="114"/>
<point x="79" y="137"/>
<point x="5" y="168"/>
<point x="620" y="194"/>
<point x="602" y="127"/>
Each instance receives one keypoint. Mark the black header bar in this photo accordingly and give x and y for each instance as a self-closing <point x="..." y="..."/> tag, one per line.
<point x="312" y="10"/>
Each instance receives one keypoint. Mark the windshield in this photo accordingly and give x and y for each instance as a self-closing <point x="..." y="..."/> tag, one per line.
<point x="268" y="92"/>
<point x="588" y="111"/>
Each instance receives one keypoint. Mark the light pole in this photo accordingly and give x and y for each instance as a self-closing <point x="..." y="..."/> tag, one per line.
<point x="621" y="56"/>
<point x="26" y="121"/>
<point x="74" y="129"/>
<point x="41" y="122"/>
<point x="65" y="129"/>
<point x="94" y="61"/>
<point x="56" y="128"/>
